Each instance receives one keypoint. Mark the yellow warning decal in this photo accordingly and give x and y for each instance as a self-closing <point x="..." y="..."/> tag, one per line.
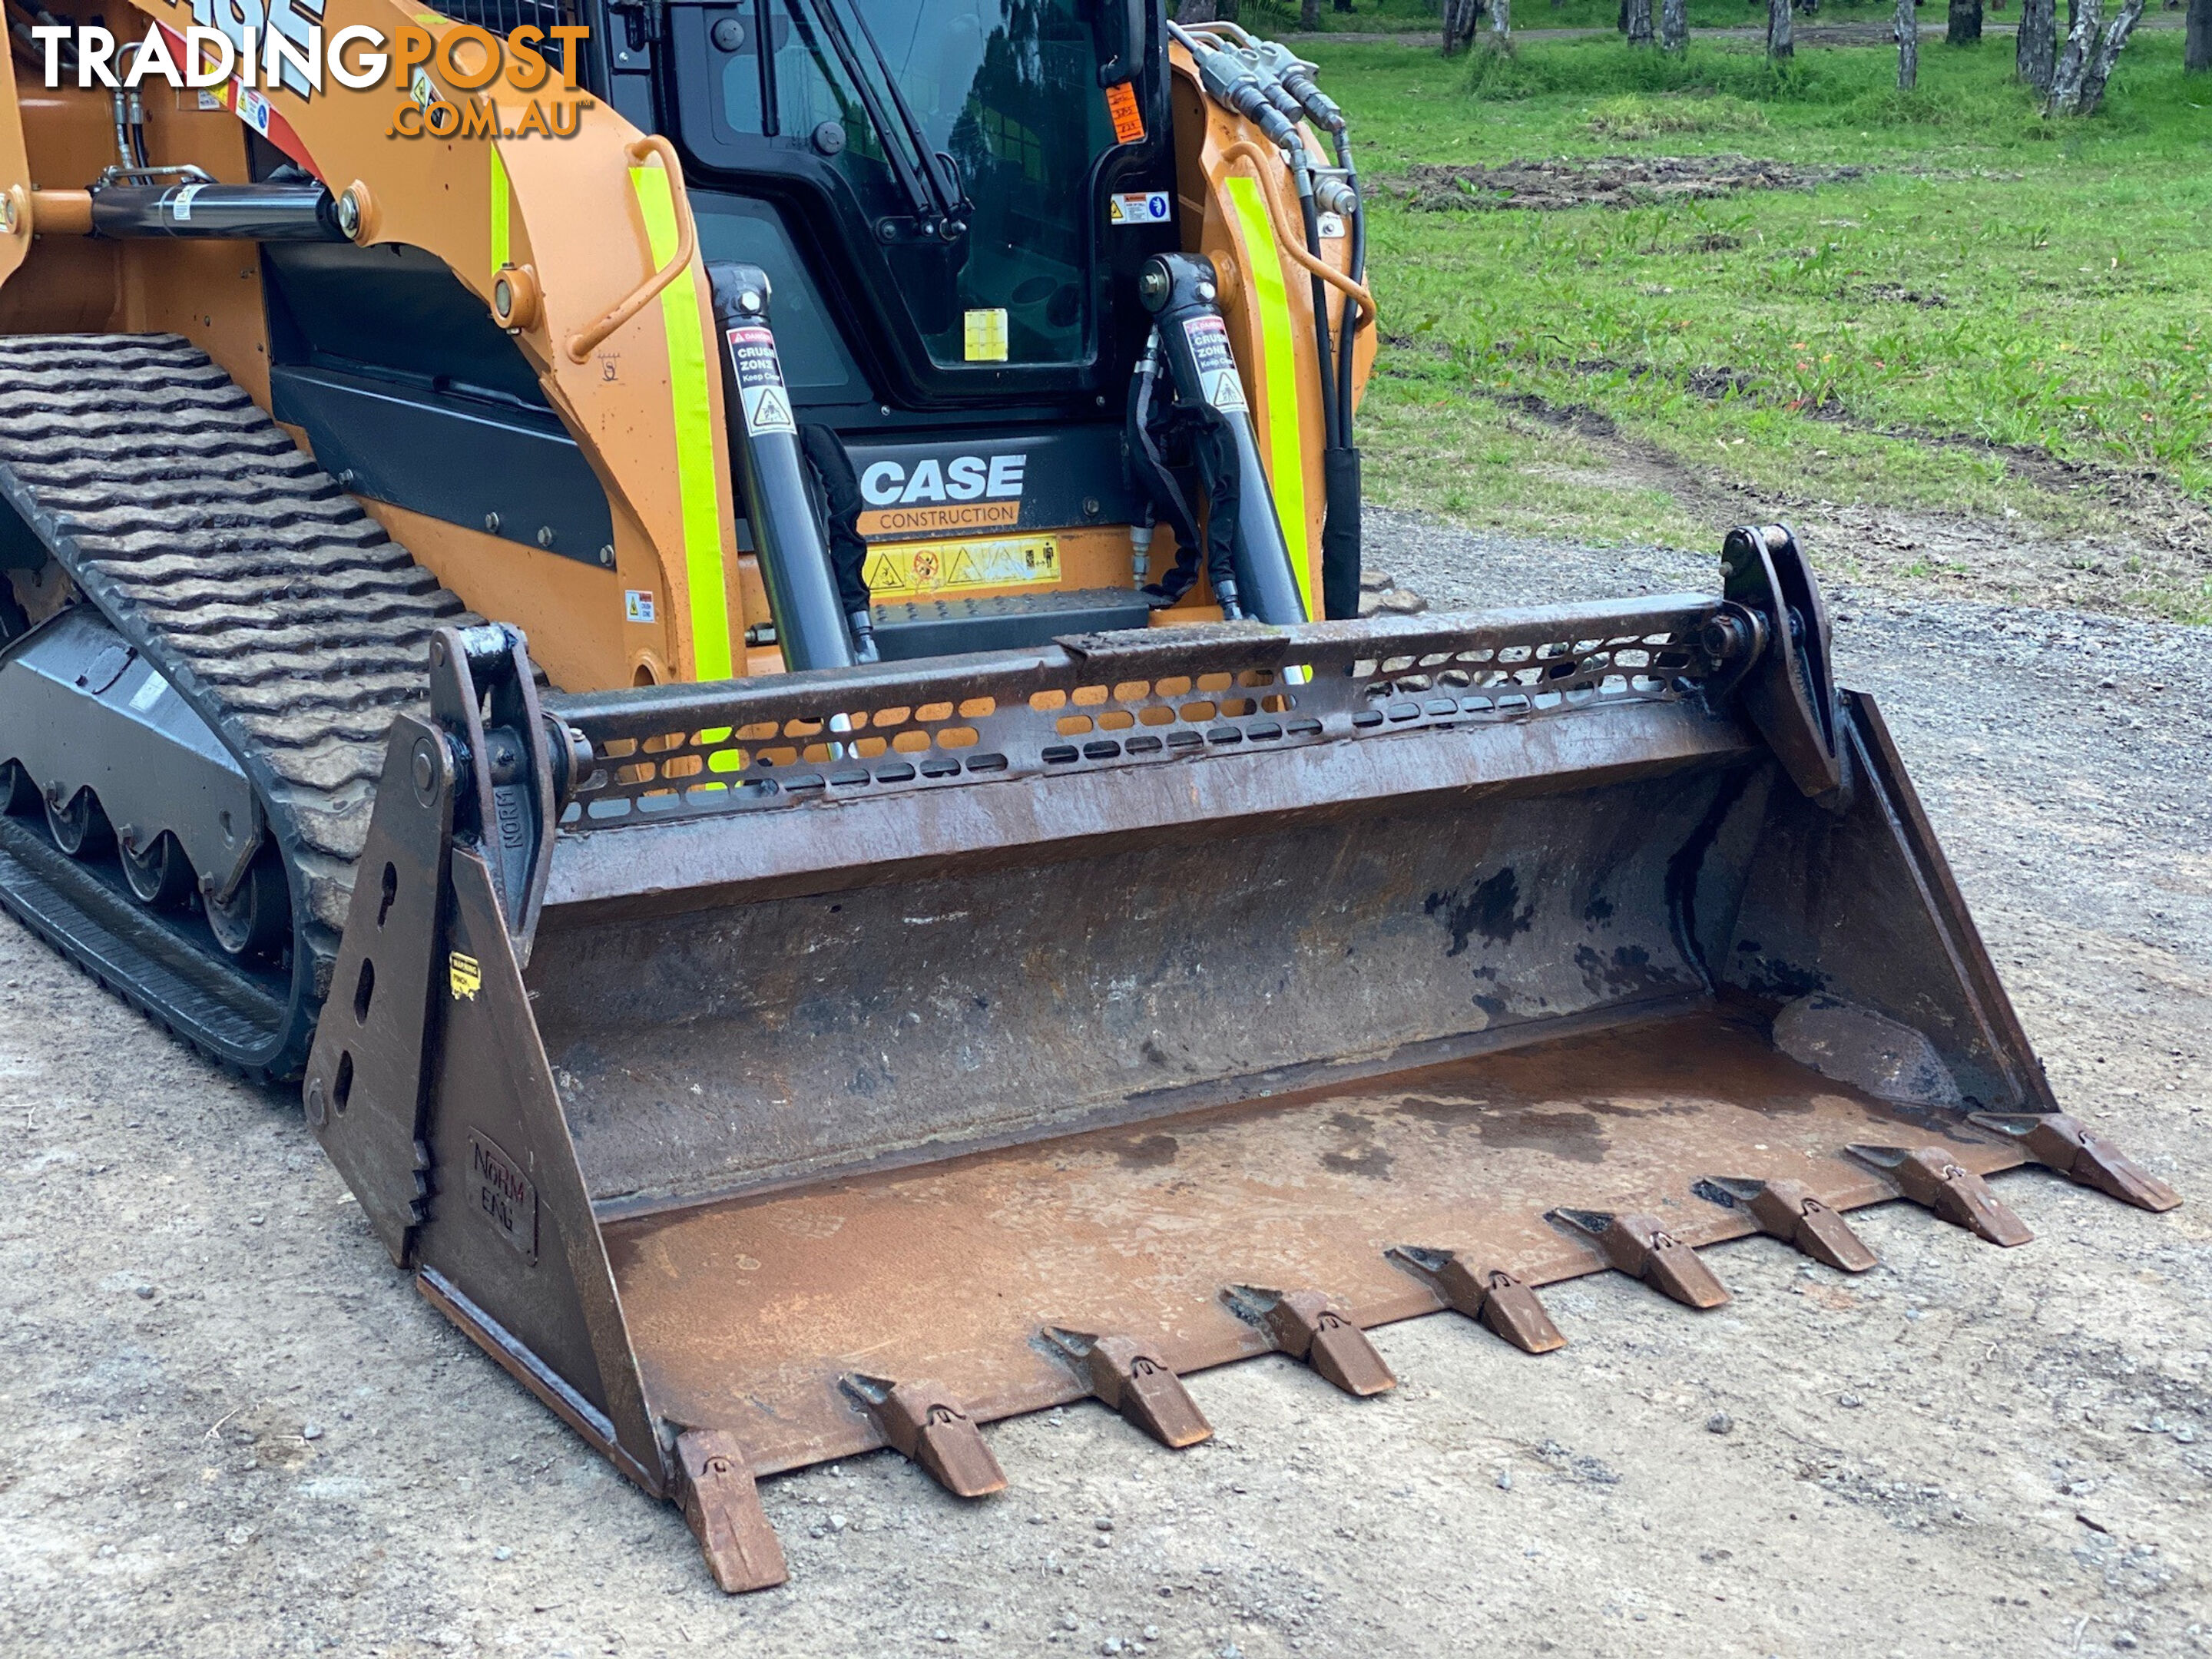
<point x="913" y="570"/>
<point x="467" y="974"/>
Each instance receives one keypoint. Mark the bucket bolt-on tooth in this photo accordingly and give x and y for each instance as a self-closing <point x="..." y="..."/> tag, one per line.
<point x="924" y="1423"/>
<point x="722" y="1505"/>
<point x="1640" y="1247"/>
<point x="1310" y="1326"/>
<point x="1493" y="1296"/>
<point x="1125" y="1374"/>
<point x="1793" y="1213"/>
<point x="1931" y="1178"/>
<point x="2059" y="1142"/>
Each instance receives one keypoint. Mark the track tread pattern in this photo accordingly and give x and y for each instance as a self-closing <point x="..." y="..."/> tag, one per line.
<point x="283" y="614"/>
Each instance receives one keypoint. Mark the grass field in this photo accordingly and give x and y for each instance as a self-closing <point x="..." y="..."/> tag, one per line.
<point x="1422" y="16"/>
<point x="1991" y="288"/>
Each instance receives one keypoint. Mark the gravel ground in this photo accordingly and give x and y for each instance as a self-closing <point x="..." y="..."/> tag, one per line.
<point x="226" y="1426"/>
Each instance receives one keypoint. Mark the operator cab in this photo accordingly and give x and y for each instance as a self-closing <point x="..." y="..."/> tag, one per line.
<point x="931" y="188"/>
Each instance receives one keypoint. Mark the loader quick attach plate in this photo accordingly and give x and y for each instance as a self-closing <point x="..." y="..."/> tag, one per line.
<point x="899" y="1050"/>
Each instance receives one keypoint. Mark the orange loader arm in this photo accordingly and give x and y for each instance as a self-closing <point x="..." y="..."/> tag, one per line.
<point x="582" y="246"/>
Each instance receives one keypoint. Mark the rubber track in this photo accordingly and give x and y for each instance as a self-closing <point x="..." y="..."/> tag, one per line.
<point x="281" y="613"/>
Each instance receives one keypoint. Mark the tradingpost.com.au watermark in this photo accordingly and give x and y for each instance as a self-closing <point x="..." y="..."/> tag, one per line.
<point x="224" y="56"/>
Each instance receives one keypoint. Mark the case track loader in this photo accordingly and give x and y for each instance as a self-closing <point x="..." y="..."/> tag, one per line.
<point x="951" y="912"/>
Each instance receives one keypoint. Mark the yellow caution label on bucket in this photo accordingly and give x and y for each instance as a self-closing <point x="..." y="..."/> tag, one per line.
<point x="466" y="975"/>
<point x="913" y="570"/>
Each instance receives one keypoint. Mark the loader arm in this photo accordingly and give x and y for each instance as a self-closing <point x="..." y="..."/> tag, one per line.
<point x="579" y="226"/>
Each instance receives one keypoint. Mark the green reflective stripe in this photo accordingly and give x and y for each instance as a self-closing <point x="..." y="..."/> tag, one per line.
<point x="498" y="255"/>
<point x="698" y="488"/>
<point x="1286" y="471"/>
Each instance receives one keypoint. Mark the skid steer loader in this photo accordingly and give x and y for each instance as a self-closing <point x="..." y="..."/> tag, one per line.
<point x="950" y="911"/>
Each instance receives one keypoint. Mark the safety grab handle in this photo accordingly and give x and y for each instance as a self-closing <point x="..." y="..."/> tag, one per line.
<point x="1291" y="235"/>
<point x="584" y="341"/>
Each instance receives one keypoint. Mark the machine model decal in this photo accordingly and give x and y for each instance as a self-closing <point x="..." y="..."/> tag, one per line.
<point x="963" y="492"/>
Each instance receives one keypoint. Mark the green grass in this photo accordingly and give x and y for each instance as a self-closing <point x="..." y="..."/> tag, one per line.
<point x="1994" y="277"/>
<point x="1422" y="16"/>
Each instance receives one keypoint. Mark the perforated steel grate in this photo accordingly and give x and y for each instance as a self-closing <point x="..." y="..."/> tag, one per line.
<point x="1133" y="699"/>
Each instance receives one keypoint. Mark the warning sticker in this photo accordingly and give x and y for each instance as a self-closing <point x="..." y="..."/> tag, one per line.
<point x="767" y="404"/>
<point x="1216" y="367"/>
<point x="1128" y="119"/>
<point x="253" y="109"/>
<point x="637" y="604"/>
<point x="1141" y="207"/>
<point x="986" y="336"/>
<point x="466" y="974"/>
<point x="912" y="570"/>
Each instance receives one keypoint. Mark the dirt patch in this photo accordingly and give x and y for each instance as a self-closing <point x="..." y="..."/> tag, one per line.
<point x="1605" y="181"/>
<point x="2153" y="542"/>
<point x="1893" y="293"/>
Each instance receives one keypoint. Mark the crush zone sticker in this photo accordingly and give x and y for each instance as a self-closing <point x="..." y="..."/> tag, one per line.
<point x="760" y="382"/>
<point x="1217" y="365"/>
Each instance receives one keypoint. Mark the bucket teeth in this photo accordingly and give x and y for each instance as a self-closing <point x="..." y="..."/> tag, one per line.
<point x="1791" y="1212"/>
<point x="1931" y="1178"/>
<point x="1495" y="1296"/>
<point x="723" y="1507"/>
<point x="1640" y="1247"/>
<point x="1310" y="1326"/>
<point x="1132" y="1379"/>
<point x="923" y="1422"/>
<point x="2064" y="1143"/>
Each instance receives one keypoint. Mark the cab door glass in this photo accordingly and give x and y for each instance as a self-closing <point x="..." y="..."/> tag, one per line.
<point x="1006" y="90"/>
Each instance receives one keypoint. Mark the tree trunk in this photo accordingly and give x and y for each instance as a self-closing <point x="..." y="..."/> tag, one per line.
<point x="2037" y="45"/>
<point x="1623" y="24"/>
<point x="1965" y="24"/>
<point x="1195" y="11"/>
<point x="1674" y="25"/>
<point x="1908" y="47"/>
<point x="1501" y="21"/>
<point x="1639" y="22"/>
<point x="1309" y="14"/>
<point x="2197" y="52"/>
<point x="1779" y="43"/>
<point x="2074" y="60"/>
<point x="2107" y="55"/>
<point x="1460" y="17"/>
